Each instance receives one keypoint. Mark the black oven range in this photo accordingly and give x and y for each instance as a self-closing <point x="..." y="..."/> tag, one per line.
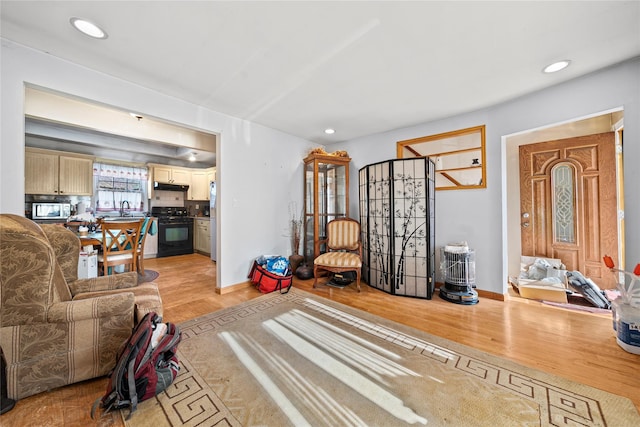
<point x="175" y="231"/>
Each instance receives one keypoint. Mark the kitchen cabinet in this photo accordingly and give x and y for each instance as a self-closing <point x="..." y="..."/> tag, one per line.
<point x="51" y="172"/>
<point x="326" y="197"/>
<point x="202" y="237"/>
<point x="162" y="174"/>
<point x="200" y="183"/>
<point x="199" y="189"/>
<point x="172" y="175"/>
<point x="197" y="179"/>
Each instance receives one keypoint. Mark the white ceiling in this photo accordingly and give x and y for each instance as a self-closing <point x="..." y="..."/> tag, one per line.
<point x="359" y="67"/>
<point x="57" y="122"/>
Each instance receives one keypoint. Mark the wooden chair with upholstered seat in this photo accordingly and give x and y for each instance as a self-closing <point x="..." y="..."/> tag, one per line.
<point x="146" y="228"/>
<point x="119" y="244"/>
<point x="344" y="249"/>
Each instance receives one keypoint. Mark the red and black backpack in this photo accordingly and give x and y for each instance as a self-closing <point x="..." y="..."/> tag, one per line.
<point x="145" y="366"/>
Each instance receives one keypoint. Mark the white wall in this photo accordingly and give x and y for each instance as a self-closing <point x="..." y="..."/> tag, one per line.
<point x="259" y="170"/>
<point x="477" y="216"/>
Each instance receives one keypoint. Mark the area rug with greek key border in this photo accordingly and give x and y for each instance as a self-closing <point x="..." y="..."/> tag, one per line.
<point x="299" y="359"/>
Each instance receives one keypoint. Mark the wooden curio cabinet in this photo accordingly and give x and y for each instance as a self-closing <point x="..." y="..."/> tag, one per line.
<point x="326" y="197"/>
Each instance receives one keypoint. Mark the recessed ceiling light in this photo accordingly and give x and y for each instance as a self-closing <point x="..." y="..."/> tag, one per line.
<point x="329" y="131"/>
<point x="557" y="66"/>
<point x="88" y="28"/>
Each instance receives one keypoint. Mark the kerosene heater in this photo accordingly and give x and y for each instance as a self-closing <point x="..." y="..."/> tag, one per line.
<point x="458" y="268"/>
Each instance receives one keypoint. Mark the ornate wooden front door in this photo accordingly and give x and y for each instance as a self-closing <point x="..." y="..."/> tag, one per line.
<point x="568" y="203"/>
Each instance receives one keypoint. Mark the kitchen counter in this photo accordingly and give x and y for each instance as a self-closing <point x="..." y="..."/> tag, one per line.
<point x="49" y="221"/>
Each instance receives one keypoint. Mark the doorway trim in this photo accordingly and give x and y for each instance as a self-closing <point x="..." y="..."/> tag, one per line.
<point x="510" y="185"/>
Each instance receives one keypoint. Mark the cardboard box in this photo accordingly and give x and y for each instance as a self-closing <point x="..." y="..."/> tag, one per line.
<point x="535" y="289"/>
<point x="88" y="265"/>
<point x="541" y="290"/>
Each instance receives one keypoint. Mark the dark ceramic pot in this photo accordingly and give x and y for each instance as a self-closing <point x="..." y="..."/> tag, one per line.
<point x="295" y="261"/>
<point x="304" y="272"/>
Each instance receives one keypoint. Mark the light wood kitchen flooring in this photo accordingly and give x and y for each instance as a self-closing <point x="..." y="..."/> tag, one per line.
<point x="575" y="345"/>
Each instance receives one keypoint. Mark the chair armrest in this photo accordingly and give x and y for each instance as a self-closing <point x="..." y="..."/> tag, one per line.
<point x="104" y="283"/>
<point x="94" y="308"/>
<point x="146" y="296"/>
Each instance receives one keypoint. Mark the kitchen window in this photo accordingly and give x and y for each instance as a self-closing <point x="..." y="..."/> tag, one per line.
<point x="120" y="186"/>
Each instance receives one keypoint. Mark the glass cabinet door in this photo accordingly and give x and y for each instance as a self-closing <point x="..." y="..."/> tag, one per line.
<point x="326" y="198"/>
<point x="309" y="211"/>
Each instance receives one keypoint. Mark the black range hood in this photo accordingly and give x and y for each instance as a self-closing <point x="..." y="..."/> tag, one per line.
<point x="169" y="187"/>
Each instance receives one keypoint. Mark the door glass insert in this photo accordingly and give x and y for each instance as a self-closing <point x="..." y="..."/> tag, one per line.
<point x="563" y="192"/>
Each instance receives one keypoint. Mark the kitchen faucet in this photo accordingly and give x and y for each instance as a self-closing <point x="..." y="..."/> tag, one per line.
<point x="122" y="207"/>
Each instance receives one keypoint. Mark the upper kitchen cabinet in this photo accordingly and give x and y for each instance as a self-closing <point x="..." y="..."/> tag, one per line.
<point x="199" y="189"/>
<point x="198" y="180"/>
<point x="200" y="183"/>
<point x="57" y="173"/>
<point x="171" y="175"/>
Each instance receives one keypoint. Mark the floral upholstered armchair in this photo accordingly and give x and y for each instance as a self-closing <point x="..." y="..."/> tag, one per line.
<point x="66" y="245"/>
<point x="51" y="333"/>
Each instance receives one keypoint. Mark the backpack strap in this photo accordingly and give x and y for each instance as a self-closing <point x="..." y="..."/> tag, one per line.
<point x="133" y="395"/>
<point x="95" y="406"/>
<point x="126" y="364"/>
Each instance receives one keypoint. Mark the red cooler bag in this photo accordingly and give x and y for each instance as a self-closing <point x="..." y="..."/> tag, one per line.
<point x="267" y="282"/>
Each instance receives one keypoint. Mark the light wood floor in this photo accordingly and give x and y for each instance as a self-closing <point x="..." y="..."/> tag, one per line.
<point x="575" y="345"/>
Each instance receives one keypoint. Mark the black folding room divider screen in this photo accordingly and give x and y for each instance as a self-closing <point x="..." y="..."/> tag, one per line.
<point x="397" y="216"/>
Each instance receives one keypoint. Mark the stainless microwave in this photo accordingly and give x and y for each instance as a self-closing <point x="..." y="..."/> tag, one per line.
<point x="50" y="210"/>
